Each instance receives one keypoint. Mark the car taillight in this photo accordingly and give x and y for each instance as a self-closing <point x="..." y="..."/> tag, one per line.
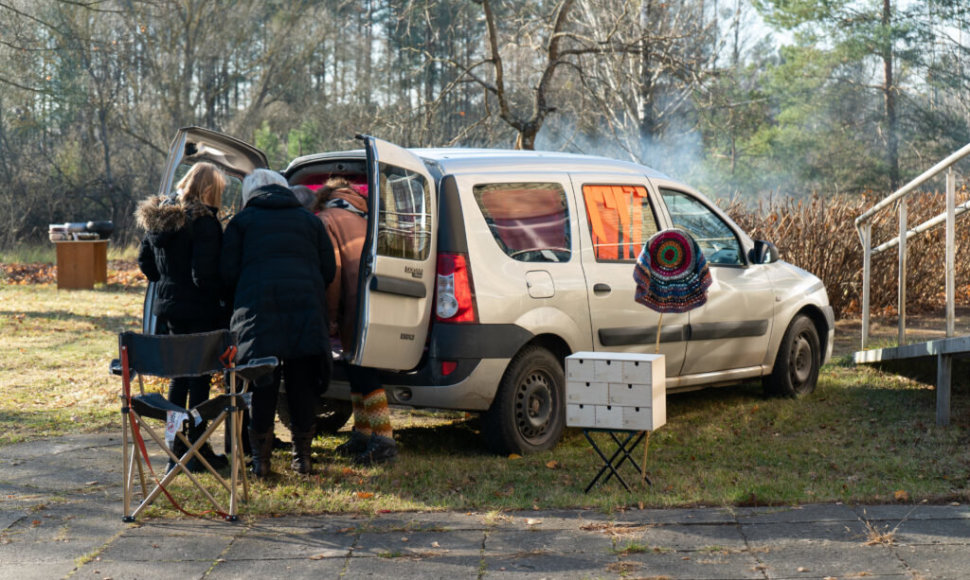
<point x="454" y="296"/>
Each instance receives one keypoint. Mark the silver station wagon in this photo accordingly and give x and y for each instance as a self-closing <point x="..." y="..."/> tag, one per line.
<point x="483" y="269"/>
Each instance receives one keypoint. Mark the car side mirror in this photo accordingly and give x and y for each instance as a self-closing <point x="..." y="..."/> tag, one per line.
<point x="763" y="253"/>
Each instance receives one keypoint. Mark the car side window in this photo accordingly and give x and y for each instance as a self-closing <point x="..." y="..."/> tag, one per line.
<point x="717" y="240"/>
<point x="620" y="220"/>
<point x="529" y="221"/>
<point x="404" y="222"/>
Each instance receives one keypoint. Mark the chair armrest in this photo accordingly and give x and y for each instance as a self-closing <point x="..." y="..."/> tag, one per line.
<point x="115" y="368"/>
<point x="257" y="367"/>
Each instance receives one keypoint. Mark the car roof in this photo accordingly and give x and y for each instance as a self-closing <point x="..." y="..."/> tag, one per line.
<point x="459" y="160"/>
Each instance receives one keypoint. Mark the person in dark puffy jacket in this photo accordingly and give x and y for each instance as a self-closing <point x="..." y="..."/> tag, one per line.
<point x="278" y="261"/>
<point x="180" y="253"/>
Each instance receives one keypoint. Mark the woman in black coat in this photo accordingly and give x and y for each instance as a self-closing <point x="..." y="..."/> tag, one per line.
<point x="181" y="253"/>
<point x="278" y="260"/>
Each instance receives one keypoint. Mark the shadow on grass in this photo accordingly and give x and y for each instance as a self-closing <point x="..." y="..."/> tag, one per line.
<point x="459" y="436"/>
<point x="113" y="323"/>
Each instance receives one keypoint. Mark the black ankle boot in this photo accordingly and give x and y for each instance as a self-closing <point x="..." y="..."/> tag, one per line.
<point x="262" y="447"/>
<point x="301" y="453"/>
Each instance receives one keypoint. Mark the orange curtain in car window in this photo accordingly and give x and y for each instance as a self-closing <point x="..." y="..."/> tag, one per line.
<point x="615" y="219"/>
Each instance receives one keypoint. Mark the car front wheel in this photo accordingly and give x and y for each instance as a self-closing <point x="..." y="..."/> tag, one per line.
<point x="528" y="413"/>
<point x="795" y="373"/>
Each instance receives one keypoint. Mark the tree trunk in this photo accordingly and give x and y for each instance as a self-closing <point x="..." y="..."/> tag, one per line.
<point x="646" y="113"/>
<point x="889" y="94"/>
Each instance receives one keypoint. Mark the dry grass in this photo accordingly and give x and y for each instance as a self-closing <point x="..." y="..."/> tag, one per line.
<point x="56" y="347"/>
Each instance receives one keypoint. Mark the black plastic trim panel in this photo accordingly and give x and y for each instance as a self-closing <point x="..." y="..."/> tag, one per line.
<point x="719" y="330"/>
<point x="451" y="221"/>
<point x="389" y="285"/>
<point x="639" y="335"/>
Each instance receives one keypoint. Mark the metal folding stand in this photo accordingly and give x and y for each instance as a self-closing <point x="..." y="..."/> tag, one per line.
<point x="623" y="453"/>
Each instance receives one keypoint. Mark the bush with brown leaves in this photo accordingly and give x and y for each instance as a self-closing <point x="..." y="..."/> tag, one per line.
<point x="818" y="234"/>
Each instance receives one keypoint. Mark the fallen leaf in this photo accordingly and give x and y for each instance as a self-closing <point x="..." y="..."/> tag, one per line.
<point x="553" y="464"/>
<point x="364" y="494"/>
<point x="435" y="545"/>
<point x="514" y="456"/>
<point x="532" y="521"/>
<point x="901" y="495"/>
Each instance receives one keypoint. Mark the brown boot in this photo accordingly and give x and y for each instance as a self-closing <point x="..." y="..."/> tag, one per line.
<point x="301" y="452"/>
<point x="262" y="447"/>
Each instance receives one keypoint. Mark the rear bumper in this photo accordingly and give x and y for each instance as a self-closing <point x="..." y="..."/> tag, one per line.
<point x="480" y="353"/>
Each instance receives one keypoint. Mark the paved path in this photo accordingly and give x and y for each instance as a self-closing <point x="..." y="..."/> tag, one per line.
<point x="60" y="517"/>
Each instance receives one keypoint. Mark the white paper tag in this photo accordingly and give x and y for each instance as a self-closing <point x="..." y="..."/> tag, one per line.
<point x="173" y="423"/>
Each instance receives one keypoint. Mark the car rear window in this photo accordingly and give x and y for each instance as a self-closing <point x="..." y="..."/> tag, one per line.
<point x="529" y="221"/>
<point x="621" y="220"/>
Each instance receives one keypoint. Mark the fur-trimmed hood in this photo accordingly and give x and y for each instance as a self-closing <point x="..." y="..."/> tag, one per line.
<point x="160" y="214"/>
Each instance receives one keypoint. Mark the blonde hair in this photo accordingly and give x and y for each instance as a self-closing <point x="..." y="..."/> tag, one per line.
<point x="203" y="183"/>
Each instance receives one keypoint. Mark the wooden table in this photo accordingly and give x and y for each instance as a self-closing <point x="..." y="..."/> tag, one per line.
<point x="81" y="264"/>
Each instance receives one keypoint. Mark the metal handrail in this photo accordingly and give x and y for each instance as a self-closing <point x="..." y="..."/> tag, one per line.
<point x="863" y="225"/>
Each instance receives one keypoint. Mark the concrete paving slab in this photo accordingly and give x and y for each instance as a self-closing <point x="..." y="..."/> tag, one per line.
<point x="39" y="570"/>
<point x="290" y="569"/>
<point x="342" y="523"/>
<point x="835" y="512"/>
<point x="937" y="562"/>
<point x="48" y="535"/>
<point x="552" y="520"/>
<point x="9" y="518"/>
<point x="515" y="542"/>
<point x="682" y="538"/>
<point x="930" y="532"/>
<point x="830" y="560"/>
<point x="532" y="566"/>
<point x="697" y="565"/>
<point x="272" y="545"/>
<point x="913" y="512"/>
<point x="462" y="543"/>
<point x="430" y="521"/>
<point x="166" y="548"/>
<point x="138" y="570"/>
<point x="760" y="534"/>
<point x="408" y="568"/>
<point x="677" y="516"/>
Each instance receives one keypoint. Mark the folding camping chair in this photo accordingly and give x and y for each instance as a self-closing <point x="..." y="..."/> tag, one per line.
<point x="170" y="356"/>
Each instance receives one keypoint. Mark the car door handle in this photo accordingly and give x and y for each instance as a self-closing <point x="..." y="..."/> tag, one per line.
<point x="600" y="288"/>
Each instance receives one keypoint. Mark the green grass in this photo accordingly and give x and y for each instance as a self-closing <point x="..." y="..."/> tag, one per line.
<point x="47" y="253"/>
<point x="861" y="437"/>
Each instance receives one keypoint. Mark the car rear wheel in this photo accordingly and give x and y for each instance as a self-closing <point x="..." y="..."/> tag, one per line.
<point x="795" y="373"/>
<point x="528" y="413"/>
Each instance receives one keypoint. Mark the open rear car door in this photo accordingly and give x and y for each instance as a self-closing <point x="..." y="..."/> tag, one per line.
<point x="397" y="273"/>
<point x="190" y="146"/>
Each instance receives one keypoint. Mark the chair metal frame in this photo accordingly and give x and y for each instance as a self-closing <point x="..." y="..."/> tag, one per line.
<point x="170" y="356"/>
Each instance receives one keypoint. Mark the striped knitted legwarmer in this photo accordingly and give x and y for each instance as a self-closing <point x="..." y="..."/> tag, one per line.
<point x="377" y="414"/>
<point x="361" y="424"/>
